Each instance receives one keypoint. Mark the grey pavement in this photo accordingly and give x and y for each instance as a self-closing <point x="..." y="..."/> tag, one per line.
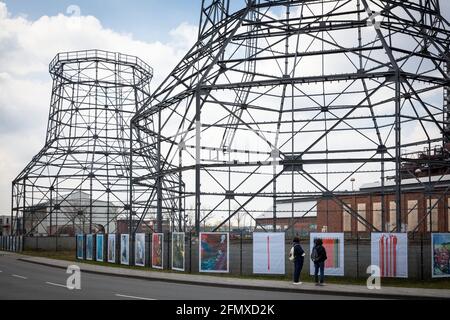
<point x="20" y="280"/>
<point x="196" y="287"/>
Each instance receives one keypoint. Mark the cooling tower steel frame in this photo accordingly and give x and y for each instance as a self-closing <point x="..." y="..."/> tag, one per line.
<point x="288" y="100"/>
<point x="81" y="179"/>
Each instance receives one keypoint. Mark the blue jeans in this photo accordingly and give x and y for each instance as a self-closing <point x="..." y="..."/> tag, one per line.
<point x="319" y="266"/>
<point x="298" y="266"/>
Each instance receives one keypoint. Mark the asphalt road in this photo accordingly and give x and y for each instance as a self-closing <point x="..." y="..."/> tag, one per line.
<point x="24" y="281"/>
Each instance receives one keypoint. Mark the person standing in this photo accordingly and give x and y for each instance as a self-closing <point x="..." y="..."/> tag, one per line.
<point x="297" y="256"/>
<point x="319" y="256"/>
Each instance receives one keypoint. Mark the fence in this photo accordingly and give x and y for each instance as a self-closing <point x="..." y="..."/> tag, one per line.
<point x="49" y="243"/>
<point x="357" y="254"/>
<point x="11" y="243"/>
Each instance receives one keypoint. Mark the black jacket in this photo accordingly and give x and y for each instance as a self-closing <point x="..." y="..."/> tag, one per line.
<point x="322" y="253"/>
<point x="298" y="251"/>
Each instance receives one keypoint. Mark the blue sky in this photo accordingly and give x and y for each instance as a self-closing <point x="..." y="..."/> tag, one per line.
<point x="147" y="20"/>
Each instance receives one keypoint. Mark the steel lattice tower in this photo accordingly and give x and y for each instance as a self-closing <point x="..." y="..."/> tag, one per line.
<point x="290" y="99"/>
<point x="81" y="178"/>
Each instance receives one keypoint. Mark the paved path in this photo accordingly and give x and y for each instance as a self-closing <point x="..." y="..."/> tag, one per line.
<point x="202" y="282"/>
<point x="23" y="280"/>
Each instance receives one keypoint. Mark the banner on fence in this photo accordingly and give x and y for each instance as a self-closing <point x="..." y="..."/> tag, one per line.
<point x="334" y="246"/>
<point x="100" y="239"/>
<point x="440" y="255"/>
<point x="390" y="253"/>
<point x="214" y="252"/>
<point x="125" y="249"/>
<point x="157" y="250"/>
<point x="178" y="251"/>
<point x="139" y="250"/>
<point x="112" y="248"/>
<point x="89" y="247"/>
<point x="80" y="246"/>
<point x="269" y="253"/>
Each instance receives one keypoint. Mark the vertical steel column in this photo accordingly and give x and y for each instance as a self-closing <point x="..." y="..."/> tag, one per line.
<point x="12" y="205"/>
<point x="180" y="191"/>
<point x="446" y="138"/>
<point x="398" y="177"/>
<point x="23" y="216"/>
<point x="197" y="161"/>
<point x="159" y="179"/>
<point x="274" y="201"/>
<point x="229" y="189"/>
<point x="130" y="189"/>
<point x="91" y="196"/>
<point x="51" y="209"/>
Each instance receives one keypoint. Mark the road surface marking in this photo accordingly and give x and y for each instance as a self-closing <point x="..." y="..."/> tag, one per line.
<point x="56" y="285"/>
<point x="132" y="297"/>
<point x="20" y="277"/>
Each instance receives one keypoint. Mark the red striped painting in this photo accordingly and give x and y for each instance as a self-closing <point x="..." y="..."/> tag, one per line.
<point x="331" y="245"/>
<point x="388" y="255"/>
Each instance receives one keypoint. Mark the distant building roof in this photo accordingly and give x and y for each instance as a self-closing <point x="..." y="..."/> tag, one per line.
<point x="75" y="198"/>
<point x="409" y="184"/>
<point x="284" y="210"/>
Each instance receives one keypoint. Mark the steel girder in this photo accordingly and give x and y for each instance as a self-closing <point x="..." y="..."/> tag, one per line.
<point x="80" y="180"/>
<point x="339" y="89"/>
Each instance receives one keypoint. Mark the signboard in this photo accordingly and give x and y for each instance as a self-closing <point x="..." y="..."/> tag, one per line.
<point x="269" y="253"/>
<point x="214" y="252"/>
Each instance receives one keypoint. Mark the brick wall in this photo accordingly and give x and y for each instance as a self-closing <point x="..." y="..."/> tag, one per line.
<point x="330" y="212"/>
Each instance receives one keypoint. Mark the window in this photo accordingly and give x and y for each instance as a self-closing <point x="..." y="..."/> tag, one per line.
<point x="433" y="218"/>
<point x="376" y="215"/>
<point x="347" y="219"/>
<point x="413" y="215"/>
<point x="362" y="213"/>
<point x="1" y="221"/>
<point x="392" y="225"/>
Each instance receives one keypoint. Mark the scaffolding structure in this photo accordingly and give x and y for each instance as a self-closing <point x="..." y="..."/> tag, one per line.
<point x="80" y="182"/>
<point x="286" y="100"/>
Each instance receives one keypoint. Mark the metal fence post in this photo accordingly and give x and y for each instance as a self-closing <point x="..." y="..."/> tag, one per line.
<point x="421" y="256"/>
<point x="190" y="252"/>
<point x="168" y="251"/>
<point x="240" y="267"/>
<point x="357" y="255"/>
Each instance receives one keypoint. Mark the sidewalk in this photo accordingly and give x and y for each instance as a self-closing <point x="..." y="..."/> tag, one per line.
<point x="272" y="285"/>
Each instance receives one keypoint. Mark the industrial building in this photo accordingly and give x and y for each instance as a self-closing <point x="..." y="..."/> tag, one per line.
<point x="5" y="225"/>
<point x="368" y="202"/>
<point x="72" y="217"/>
<point x="298" y="217"/>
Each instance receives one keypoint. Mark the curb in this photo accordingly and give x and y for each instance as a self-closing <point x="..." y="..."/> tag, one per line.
<point x="252" y="287"/>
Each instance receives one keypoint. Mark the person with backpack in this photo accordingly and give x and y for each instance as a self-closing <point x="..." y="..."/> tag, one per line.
<point x="318" y="257"/>
<point x="297" y="255"/>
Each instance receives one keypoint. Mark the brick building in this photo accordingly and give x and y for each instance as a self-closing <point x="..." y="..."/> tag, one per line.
<point x="417" y="201"/>
<point x="304" y="218"/>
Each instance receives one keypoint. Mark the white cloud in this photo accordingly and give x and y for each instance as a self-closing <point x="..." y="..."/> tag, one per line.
<point x="3" y="11"/>
<point x="184" y="35"/>
<point x="26" y="49"/>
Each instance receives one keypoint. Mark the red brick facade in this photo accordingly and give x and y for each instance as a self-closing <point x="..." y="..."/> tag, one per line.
<point x="331" y="214"/>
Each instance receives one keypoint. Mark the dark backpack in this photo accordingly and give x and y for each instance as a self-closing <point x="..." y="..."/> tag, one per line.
<point x="315" y="254"/>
